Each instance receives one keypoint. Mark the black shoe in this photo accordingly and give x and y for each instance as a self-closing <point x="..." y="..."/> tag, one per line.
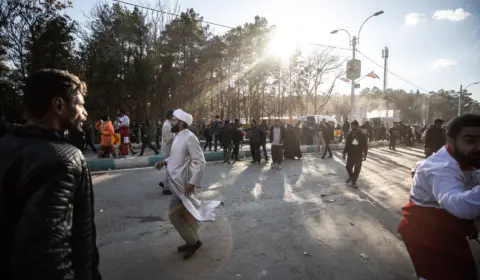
<point x="157" y="153"/>
<point x="330" y="156"/>
<point x="167" y="192"/>
<point x="191" y="250"/>
<point x="184" y="248"/>
<point x="323" y="157"/>
<point x="237" y="159"/>
<point x="161" y="185"/>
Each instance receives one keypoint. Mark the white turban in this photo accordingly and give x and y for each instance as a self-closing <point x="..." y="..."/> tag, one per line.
<point x="183" y="116"/>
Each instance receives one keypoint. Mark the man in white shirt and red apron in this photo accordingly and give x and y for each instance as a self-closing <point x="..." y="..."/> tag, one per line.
<point x="444" y="202"/>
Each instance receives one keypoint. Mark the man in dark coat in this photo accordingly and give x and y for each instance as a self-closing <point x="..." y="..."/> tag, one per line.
<point x="356" y="147"/>
<point x="435" y="138"/>
<point x="46" y="197"/>
<point x="393" y="134"/>
<point x="328" y="138"/>
<point x="237" y="139"/>
<point x="216" y="132"/>
<point x="226" y="133"/>
<point x="257" y="134"/>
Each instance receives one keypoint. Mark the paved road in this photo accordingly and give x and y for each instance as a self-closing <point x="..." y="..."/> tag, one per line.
<point x="269" y="220"/>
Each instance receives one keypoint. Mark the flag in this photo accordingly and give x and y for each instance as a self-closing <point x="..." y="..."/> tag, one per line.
<point x="345" y="80"/>
<point x="373" y="75"/>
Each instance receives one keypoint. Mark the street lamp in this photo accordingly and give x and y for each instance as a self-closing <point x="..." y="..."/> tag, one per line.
<point x="354" y="42"/>
<point x="460" y="97"/>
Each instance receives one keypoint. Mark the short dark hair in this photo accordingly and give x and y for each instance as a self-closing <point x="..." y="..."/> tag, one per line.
<point x="169" y="114"/>
<point x="355" y="123"/>
<point x="438" y="121"/>
<point x="217" y="116"/>
<point x="44" y="85"/>
<point x="237" y="120"/>
<point x="456" y="125"/>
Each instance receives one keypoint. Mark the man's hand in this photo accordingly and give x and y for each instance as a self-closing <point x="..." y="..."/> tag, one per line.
<point x="160" y="164"/>
<point x="189" y="189"/>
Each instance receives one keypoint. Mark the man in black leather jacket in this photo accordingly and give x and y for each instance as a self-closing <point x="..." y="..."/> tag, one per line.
<point x="46" y="197"/>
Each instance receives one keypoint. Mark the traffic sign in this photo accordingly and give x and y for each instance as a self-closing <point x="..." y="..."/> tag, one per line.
<point x="116" y="139"/>
<point x="354" y="69"/>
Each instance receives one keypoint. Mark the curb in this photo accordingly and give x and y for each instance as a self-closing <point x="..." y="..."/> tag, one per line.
<point x="136" y="161"/>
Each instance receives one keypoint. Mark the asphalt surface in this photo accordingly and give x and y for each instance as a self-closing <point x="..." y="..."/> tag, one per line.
<point x="303" y="222"/>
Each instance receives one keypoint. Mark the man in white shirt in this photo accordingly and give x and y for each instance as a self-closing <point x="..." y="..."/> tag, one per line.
<point x="444" y="201"/>
<point x="167" y="141"/>
<point x="185" y="168"/>
<point x="123" y="122"/>
<point x="277" y="135"/>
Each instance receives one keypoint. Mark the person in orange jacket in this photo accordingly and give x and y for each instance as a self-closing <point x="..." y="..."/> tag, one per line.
<point x="105" y="127"/>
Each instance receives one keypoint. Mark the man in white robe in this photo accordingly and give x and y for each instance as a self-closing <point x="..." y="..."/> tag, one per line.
<point x="167" y="141"/>
<point x="185" y="168"/>
<point x="444" y="201"/>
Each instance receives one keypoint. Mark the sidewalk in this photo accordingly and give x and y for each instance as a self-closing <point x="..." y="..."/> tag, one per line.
<point x="96" y="164"/>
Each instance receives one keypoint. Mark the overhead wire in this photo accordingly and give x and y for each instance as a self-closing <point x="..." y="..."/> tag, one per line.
<point x="217" y="24"/>
<point x="390" y="72"/>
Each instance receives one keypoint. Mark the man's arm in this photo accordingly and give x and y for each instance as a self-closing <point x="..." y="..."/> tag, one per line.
<point x="167" y="135"/>
<point x="42" y="238"/>
<point x="197" y="161"/>
<point x="450" y="193"/>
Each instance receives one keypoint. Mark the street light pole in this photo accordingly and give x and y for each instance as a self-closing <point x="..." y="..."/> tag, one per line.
<point x="461" y="95"/>
<point x="353" y="110"/>
<point x="460" y="101"/>
<point x="354" y="42"/>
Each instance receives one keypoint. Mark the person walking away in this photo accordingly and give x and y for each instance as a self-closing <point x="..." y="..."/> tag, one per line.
<point x="277" y="136"/>
<point x="216" y="131"/>
<point x="393" y="134"/>
<point x="226" y="134"/>
<point x="124" y="130"/>
<point x="106" y="131"/>
<point x="434" y="138"/>
<point x="237" y="139"/>
<point x="318" y="137"/>
<point x="356" y="148"/>
<point x="369" y="128"/>
<point x="207" y="134"/>
<point x="444" y="202"/>
<point x="327" y="137"/>
<point x="256" y="138"/>
<point x="185" y="169"/>
<point x="89" y="136"/>
<point x="266" y="134"/>
<point x="383" y="132"/>
<point x="167" y="142"/>
<point x="345" y="129"/>
<point x="145" y="135"/>
<point x="46" y="200"/>
<point x="158" y="134"/>
<point x="291" y="143"/>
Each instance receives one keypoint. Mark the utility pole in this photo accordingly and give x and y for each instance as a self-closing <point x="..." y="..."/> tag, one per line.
<point x="385" y="65"/>
<point x="353" y="113"/>
<point x="460" y="101"/>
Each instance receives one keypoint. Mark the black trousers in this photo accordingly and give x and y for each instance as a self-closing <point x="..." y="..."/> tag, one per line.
<point x="208" y="143"/>
<point x="393" y="143"/>
<point x="255" y="151"/>
<point x="265" y="154"/>
<point x="277" y="154"/>
<point x="327" y="148"/>
<point x="89" y="142"/>
<point x="146" y="143"/>
<point x="353" y="170"/>
<point x="236" y="149"/>
<point x="227" y="149"/>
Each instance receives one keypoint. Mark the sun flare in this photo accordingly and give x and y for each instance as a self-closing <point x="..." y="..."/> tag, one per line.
<point x="282" y="44"/>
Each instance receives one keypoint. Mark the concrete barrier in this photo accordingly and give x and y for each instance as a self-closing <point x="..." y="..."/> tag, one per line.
<point x="145" y="161"/>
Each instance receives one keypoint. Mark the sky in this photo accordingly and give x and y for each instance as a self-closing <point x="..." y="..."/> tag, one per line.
<point x="433" y="44"/>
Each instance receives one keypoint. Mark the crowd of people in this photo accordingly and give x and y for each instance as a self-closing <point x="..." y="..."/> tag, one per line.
<point x="46" y="193"/>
